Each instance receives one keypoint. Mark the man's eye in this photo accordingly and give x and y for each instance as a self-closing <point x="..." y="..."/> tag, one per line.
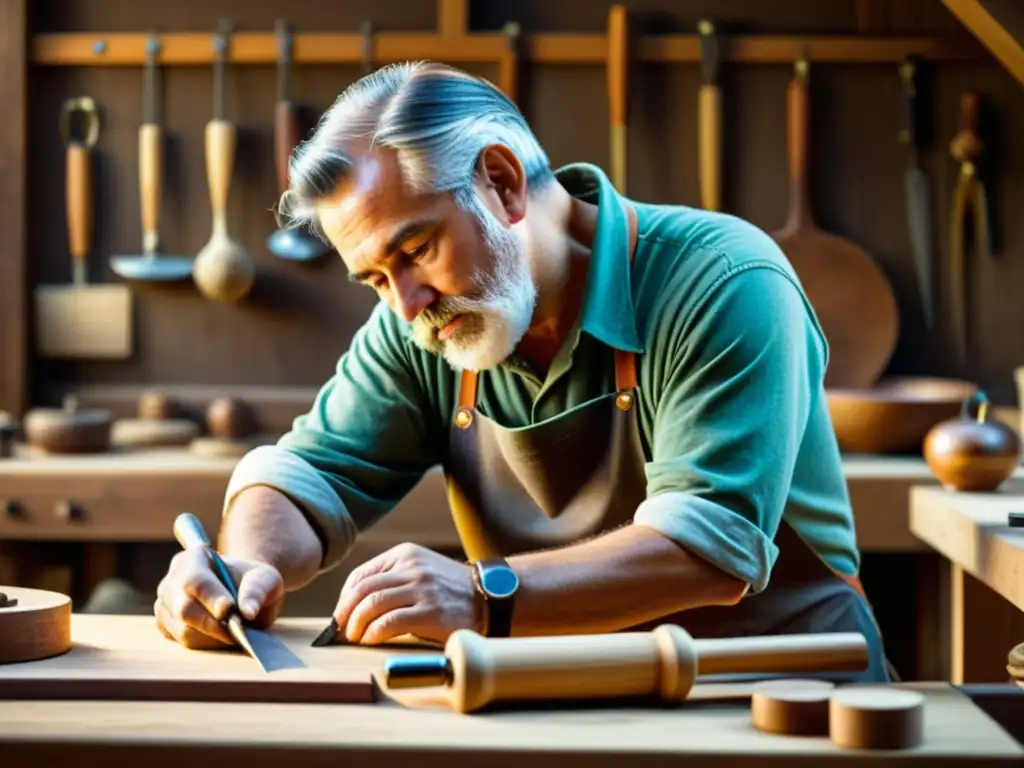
<point x="419" y="251"/>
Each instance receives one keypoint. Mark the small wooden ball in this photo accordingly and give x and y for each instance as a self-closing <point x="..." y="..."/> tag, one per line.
<point x="876" y="717"/>
<point x="230" y="418"/>
<point x="155" y="405"/>
<point x="791" y="707"/>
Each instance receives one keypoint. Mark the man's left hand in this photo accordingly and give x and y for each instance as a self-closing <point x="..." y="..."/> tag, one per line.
<point x="408" y="590"/>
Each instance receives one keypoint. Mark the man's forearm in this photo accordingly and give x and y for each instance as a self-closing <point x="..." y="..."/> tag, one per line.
<point x="627" y="577"/>
<point x="264" y="525"/>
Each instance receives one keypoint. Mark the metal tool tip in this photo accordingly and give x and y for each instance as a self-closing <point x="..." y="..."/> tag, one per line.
<point x="417" y="671"/>
<point x="327" y="635"/>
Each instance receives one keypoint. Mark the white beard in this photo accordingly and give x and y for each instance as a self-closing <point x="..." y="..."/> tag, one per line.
<point x="496" y="318"/>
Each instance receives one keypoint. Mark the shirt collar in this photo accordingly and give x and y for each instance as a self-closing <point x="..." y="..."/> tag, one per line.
<point x="608" y="313"/>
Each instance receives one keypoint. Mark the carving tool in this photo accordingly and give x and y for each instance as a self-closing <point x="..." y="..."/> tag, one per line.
<point x="968" y="197"/>
<point x="151" y="265"/>
<point x="917" y="193"/>
<point x="82" y="320"/>
<point x="665" y="662"/>
<point x="269" y="651"/>
<point x="293" y="243"/>
<point x="709" y="120"/>
<point x="618" y="92"/>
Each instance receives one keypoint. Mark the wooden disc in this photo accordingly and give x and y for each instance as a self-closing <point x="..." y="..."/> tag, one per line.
<point x="36" y="627"/>
<point x="154" y="432"/>
<point x="791" y="707"/>
<point x="876" y="717"/>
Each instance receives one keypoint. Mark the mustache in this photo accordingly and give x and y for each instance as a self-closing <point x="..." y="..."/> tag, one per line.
<point x="444" y="310"/>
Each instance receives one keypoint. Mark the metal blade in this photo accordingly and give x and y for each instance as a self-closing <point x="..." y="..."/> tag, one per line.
<point x="918" y="201"/>
<point x="271" y="653"/>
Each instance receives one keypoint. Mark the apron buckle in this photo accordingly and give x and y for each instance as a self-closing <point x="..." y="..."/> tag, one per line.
<point x="463" y="418"/>
<point x="624" y="401"/>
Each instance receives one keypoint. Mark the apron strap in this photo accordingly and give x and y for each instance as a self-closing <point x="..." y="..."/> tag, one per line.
<point x="625" y="361"/>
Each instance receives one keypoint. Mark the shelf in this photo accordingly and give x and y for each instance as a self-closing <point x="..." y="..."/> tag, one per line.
<point x="129" y="49"/>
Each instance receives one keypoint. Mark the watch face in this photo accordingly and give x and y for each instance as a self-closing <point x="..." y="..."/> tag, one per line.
<point x="499" y="582"/>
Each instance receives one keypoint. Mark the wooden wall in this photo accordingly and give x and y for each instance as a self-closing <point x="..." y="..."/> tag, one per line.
<point x="301" y="317"/>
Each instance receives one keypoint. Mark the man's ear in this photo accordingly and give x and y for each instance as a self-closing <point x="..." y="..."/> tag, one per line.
<point x="504" y="176"/>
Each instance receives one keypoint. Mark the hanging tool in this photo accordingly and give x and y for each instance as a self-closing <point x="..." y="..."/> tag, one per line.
<point x="82" y="320"/>
<point x="223" y="270"/>
<point x="151" y="265"/>
<point x="269" y="651"/>
<point x="618" y="92"/>
<point x="664" y="662"/>
<point x="709" y="119"/>
<point x="917" y="192"/>
<point x="288" y="242"/>
<point x="509" y="67"/>
<point x="968" y="196"/>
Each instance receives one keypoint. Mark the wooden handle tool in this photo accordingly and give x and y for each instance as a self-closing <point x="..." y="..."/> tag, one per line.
<point x="478" y="671"/>
<point x="509" y="73"/>
<point x="151" y="161"/>
<point x="709" y="120"/>
<point x="286" y="116"/>
<point x="618" y="91"/>
<point x="79" y="185"/>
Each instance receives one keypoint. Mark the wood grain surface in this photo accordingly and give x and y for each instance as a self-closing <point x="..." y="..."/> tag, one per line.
<point x="712" y="728"/>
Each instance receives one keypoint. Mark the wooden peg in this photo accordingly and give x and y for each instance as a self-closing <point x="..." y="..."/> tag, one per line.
<point x="876" y="717"/>
<point x="791" y="707"/>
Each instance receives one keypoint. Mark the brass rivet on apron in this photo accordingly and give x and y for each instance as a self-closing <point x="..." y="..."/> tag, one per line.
<point x="624" y="401"/>
<point x="463" y="418"/>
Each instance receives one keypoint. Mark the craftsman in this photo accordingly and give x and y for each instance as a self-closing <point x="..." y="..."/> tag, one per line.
<point x="627" y="400"/>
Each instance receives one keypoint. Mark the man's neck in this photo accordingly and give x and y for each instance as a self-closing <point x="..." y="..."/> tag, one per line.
<point x="560" y="242"/>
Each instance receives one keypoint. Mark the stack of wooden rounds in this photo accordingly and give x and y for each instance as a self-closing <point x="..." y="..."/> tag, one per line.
<point x="1015" y="664"/>
<point x="855" y="716"/>
<point x="34" y="624"/>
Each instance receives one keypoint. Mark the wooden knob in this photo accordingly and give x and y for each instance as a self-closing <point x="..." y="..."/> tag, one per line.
<point x="230" y="418"/>
<point x="69" y="512"/>
<point x="876" y="717"/>
<point x="791" y="707"/>
<point x="11" y="510"/>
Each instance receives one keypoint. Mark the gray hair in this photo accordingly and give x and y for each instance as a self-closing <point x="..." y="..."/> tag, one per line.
<point x="437" y="118"/>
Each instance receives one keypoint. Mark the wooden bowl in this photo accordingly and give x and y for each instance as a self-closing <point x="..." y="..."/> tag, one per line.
<point x="69" y="429"/>
<point x="895" y="415"/>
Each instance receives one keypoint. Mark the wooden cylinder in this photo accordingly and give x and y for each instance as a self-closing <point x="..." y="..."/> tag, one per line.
<point x="791" y="707"/>
<point x="34" y="624"/>
<point x="876" y="717"/>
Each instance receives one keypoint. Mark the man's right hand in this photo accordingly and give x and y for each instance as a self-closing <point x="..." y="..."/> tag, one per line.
<point x="191" y="602"/>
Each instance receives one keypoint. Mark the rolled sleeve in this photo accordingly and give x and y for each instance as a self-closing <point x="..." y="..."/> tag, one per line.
<point x="732" y="403"/>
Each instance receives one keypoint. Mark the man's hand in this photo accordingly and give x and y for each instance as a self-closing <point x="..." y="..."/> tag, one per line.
<point x="408" y="590"/>
<point x="191" y="602"/>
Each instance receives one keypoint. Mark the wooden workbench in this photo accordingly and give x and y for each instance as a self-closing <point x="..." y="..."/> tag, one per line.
<point x="418" y="729"/>
<point x="986" y="572"/>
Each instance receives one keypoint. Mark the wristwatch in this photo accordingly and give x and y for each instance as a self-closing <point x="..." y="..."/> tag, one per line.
<point x="497" y="582"/>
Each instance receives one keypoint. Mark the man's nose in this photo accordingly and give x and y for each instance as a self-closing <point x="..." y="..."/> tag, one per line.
<point x="411" y="297"/>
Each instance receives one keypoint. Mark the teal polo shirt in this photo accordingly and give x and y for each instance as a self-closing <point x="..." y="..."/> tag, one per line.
<point x="731" y="404"/>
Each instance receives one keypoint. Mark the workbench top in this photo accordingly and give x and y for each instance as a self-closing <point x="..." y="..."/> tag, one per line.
<point x="972" y="531"/>
<point x="713" y="728"/>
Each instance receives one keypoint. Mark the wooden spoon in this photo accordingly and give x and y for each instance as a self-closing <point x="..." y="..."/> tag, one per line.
<point x="223" y="270"/>
<point x="850" y="294"/>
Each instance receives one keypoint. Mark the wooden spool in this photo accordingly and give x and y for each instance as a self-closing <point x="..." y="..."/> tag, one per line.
<point x="34" y="624"/>
<point x="791" y="707"/>
<point x="876" y="717"/>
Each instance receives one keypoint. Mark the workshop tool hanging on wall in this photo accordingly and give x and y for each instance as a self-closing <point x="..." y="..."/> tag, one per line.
<point x="223" y="270"/>
<point x="709" y="120"/>
<point x="271" y="653"/>
<point x="618" y="92"/>
<point x="969" y="198"/>
<point x="851" y="295"/>
<point x="151" y="265"/>
<point x="917" y="193"/>
<point x="508" y="76"/>
<point x="295" y="243"/>
<point x="82" y="320"/>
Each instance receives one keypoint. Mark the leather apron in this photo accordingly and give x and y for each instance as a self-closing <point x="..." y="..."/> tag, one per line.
<point x="581" y="473"/>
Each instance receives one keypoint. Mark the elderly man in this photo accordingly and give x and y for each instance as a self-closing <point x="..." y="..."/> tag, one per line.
<point x="627" y="400"/>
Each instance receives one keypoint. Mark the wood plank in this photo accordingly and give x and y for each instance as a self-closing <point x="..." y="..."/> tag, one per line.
<point x="122" y="49"/>
<point x="13" y="151"/>
<point x="983" y="627"/>
<point x="453" y="17"/>
<point x="128" y="658"/>
<point x="416" y="726"/>
<point x="971" y="530"/>
<point x="974" y="15"/>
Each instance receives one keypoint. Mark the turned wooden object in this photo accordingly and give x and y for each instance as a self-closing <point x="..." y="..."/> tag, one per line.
<point x="160" y="422"/>
<point x="232" y="425"/>
<point x="972" y="452"/>
<point x="69" y="429"/>
<point x="791" y="707"/>
<point x="876" y="717"/>
<point x="34" y="624"/>
<point x="478" y="671"/>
